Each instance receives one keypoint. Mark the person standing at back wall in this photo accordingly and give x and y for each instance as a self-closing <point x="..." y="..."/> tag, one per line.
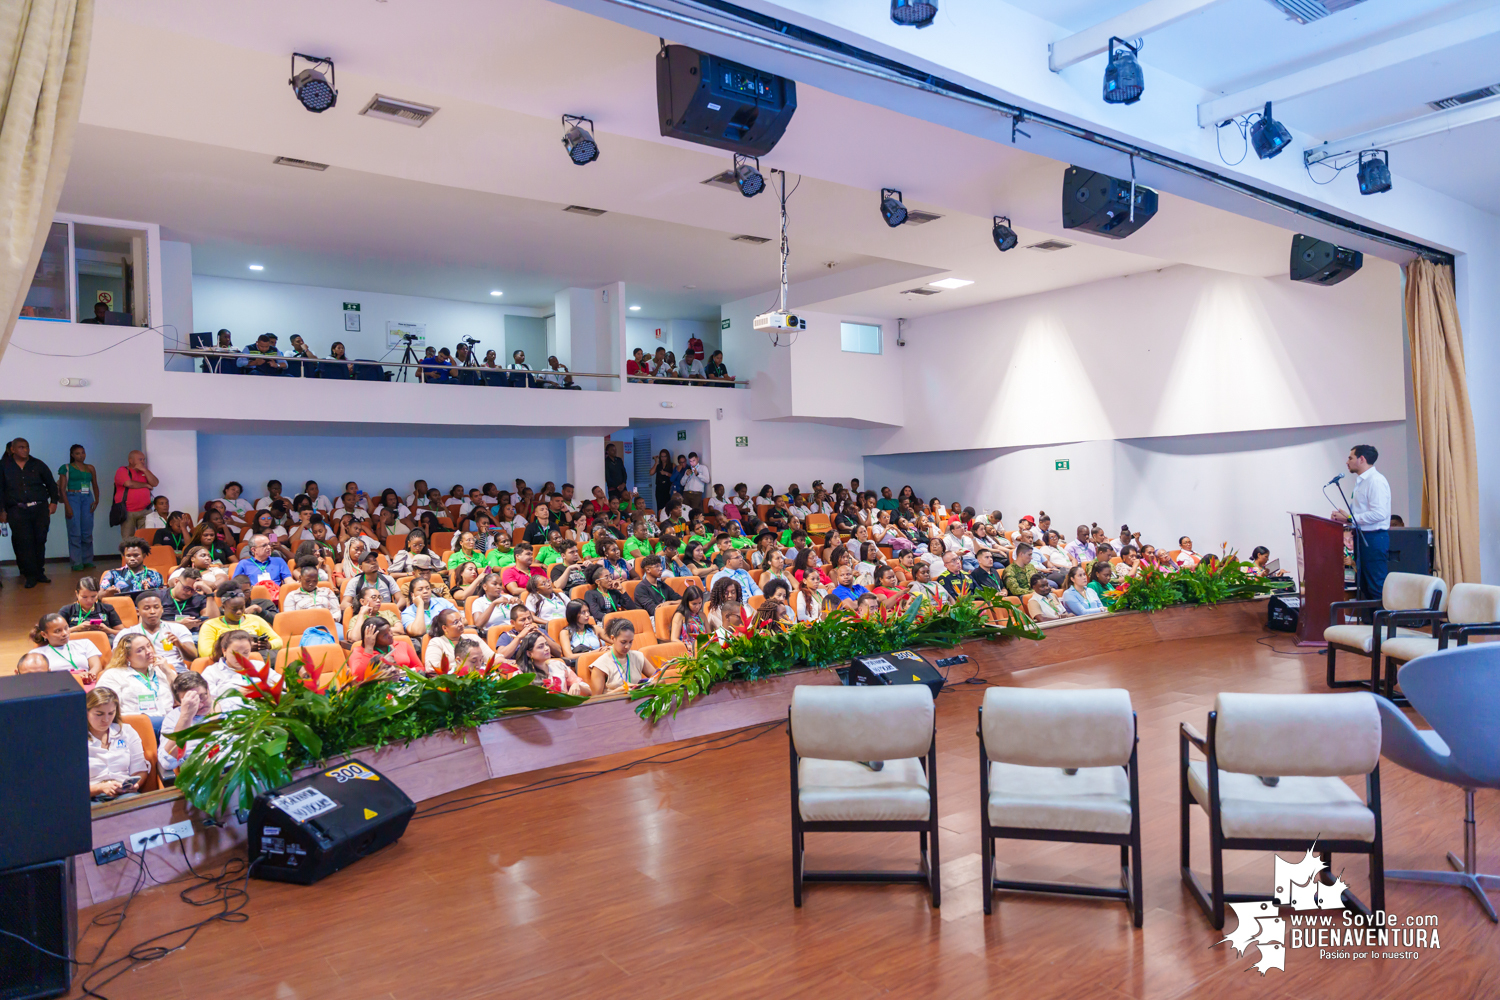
<point x="28" y="499"/>
<point x="79" y="484"/>
<point x="133" y="485"/>
<point x="1370" y="503"/>
<point x="695" y="482"/>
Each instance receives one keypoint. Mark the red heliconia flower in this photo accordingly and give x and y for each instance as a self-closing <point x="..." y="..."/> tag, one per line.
<point x="213" y="751"/>
<point x="443" y="666"/>
<point x="275" y="692"/>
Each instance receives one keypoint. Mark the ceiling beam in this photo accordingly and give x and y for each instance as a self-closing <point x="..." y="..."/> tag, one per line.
<point x="1134" y="23"/>
<point x="1408" y="131"/>
<point x="1371" y="60"/>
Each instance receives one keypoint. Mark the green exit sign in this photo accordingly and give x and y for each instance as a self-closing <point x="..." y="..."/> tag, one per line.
<point x="682" y="435"/>
<point x="723" y="324"/>
<point x="351" y="307"/>
<point x="1062" y="465"/>
<point x="742" y="442"/>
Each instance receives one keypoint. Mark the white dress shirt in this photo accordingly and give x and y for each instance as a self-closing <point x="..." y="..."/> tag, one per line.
<point x="1371" y="501"/>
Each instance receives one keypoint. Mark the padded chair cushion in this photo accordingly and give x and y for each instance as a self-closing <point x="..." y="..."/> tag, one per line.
<point x="1411" y="591"/>
<point x="1058" y="727"/>
<point x="1408" y="647"/>
<point x="1095" y="800"/>
<point x="862" y="723"/>
<point x="1298" y="808"/>
<point x="846" y="791"/>
<point x="1361" y="638"/>
<point x="1470" y="603"/>
<point x="1322" y="735"/>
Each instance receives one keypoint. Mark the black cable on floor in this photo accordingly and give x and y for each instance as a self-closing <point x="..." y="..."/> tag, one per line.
<point x="1262" y="640"/>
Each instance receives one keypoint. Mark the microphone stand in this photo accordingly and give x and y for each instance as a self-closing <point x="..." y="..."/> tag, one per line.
<point x="1358" y="557"/>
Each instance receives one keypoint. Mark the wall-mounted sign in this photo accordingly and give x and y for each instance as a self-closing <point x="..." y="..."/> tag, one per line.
<point x="396" y="333"/>
<point x="658" y="333"/>
<point x="1062" y="465"/>
<point x="723" y="324"/>
<point x="742" y="441"/>
<point x="682" y="435"/>
<point x="351" y="307"/>
<point x="351" y="317"/>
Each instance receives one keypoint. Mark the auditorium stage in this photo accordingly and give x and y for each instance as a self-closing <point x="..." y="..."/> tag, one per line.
<point x="673" y="880"/>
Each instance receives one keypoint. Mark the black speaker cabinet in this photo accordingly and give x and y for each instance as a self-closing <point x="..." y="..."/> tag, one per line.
<point x="314" y="826"/>
<point x="40" y="904"/>
<point x="901" y="666"/>
<point x="45" y="760"/>
<point x="1100" y="204"/>
<point x="1322" y="263"/>
<point x="702" y="98"/>
<point x="1410" y="551"/>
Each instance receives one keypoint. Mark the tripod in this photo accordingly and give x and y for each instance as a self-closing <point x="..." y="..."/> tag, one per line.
<point x="408" y="357"/>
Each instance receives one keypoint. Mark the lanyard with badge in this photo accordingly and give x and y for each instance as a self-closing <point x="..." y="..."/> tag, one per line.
<point x="624" y="668"/>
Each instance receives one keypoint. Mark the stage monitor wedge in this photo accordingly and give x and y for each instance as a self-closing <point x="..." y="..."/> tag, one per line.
<point x="1100" y="204"/>
<point x="1322" y="263"/>
<point x="702" y="98"/>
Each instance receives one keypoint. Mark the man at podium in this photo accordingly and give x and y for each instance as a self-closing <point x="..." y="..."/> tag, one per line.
<point x="1370" y="504"/>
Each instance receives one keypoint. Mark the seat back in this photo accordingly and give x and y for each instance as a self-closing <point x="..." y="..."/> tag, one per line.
<point x="555" y="629"/>
<point x="294" y="623"/>
<point x="142" y="726"/>
<point x="663" y="623"/>
<point x="1317" y="735"/>
<point x="1048" y="727"/>
<point x="162" y="559"/>
<point x="125" y="608"/>
<point x="638" y="618"/>
<point x="629" y="587"/>
<point x="99" y="639"/>
<point x="1457" y="691"/>
<point x="681" y="583"/>
<point x="1412" y="592"/>
<point x="1471" y="603"/>
<point x="576" y="594"/>
<point x="495" y="632"/>
<point x="320" y="661"/>
<point x="862" y="723"/>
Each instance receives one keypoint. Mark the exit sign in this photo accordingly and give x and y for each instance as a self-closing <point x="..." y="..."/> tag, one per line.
<point x="682" y="435"/>
<point x="723" y="324"/>
<point x="1062" y="465"/>
<point x="351" y="307"/>
<point x="742" y="442"/>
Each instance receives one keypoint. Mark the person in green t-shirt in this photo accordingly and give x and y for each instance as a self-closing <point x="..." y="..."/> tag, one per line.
<point x="737" y="536"/>
<point x="550" y="553"/>
<point x="886" y="501"/>
<point x="501" y="555"/>
<point x="640" y="543"/>
<point x="465" y="552"/>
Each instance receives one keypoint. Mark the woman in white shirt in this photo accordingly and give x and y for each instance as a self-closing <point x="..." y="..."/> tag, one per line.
<point x="1053" y="553"/>
<point x="51" y="637"/>
<point x="543" y="601"/>
<point x="117" y="761"/>
<point x="415" y="557"/>
<point x="881" y="528"/>
<point x="447" y="629"/>
<point x="1042" y="606"/>
<point x="776" y="569"/>
<point x="534" y="656"/>
<point x="224" y="681"/>
<point x="864" y="570"/>
<point x="192" y="706"/>
<point x="142" y="679"/>
<point x="620" y="668"/>
<point x="236" y="507"/>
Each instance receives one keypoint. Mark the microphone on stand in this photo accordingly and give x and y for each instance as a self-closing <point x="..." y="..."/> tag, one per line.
<point x="1333" y="480"/>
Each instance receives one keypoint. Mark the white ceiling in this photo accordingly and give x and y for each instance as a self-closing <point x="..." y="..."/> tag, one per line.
<point x="472" y="201"/>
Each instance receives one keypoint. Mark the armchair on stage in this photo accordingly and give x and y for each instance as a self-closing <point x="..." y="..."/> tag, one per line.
<point x="837" y="735"/>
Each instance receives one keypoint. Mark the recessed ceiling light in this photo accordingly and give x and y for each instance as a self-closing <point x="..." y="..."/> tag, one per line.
<point x="635" y="309"/>
<point x="257" y="267"/>
<point x="950" y="283"/>
<point x="497" y="292"/>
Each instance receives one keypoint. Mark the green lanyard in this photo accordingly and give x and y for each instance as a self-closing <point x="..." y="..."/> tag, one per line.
<point x="179" y="605"/>
<point x="623" y="668"/>
<point x="67" y="654"/>
<point x="148" y="684"/>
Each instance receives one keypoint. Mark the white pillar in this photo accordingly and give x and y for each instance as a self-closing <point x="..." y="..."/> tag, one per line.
<point x="172" y="455"/>
<point x="585" y="465"/>
<point x="588" y="332"/>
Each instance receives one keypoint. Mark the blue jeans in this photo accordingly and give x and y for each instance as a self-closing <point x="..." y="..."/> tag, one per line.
<point x="81" y="528"/>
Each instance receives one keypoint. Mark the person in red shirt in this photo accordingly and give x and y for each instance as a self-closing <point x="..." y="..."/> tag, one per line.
<point x="515" y="578"/>
<point x="133" y="485"/>
<point x="377" y="641"/>
<point x="637" y="365"/>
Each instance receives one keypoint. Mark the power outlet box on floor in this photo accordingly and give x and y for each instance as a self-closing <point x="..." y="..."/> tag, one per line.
<point x="177" y="831"/>
<point x="109" y="852"/>
<point x="139" y="842"/>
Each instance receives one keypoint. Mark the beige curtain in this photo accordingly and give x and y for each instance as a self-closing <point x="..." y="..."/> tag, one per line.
<point x="1445" y="426"/>
<point x="44" y="45"/>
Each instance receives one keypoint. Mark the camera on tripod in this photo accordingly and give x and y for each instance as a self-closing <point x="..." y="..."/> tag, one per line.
<point x="408" y="338"/>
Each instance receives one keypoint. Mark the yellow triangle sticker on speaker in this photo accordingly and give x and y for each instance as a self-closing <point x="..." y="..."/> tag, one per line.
<point x="371" y="814"/>
<point x="916" y="678"/>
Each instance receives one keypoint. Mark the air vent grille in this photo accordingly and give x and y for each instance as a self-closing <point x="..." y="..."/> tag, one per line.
<point x="1307" y="11"/>
<point x="584" y="210"/>
<point x="742" y="238"/>
<point x="918" y="218"/>
<point x="393" y="109"/>
<point x="1048" y="246"/>
<point x="292" y="161"/>
<point x="1458" y="100"/>
<point x="923" y="291"/>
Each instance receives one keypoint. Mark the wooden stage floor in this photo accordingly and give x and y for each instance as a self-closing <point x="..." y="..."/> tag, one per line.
<point x="672" y="880"/>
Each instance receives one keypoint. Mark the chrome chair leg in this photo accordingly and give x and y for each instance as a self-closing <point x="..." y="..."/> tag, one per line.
<point x="1463" y="873"/>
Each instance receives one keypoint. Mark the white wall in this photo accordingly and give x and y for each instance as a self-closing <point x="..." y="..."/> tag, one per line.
<point x="249" y="308"/>
<point x="106" y="437"/>
<point x="675" y="333"/>
<point x="177" y="297"/>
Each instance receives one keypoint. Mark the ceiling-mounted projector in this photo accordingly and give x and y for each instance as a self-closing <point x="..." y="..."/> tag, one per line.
<point x="779" y="319"/>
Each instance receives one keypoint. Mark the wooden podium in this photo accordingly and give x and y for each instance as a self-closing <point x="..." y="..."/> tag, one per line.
<point x="1320" y="573"/>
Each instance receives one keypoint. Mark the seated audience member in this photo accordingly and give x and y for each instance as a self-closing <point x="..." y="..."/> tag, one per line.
<point x="1082" y="549"/>
<point x="691" y="368"/>
<point x="582" y="633"/>
<point x="377" y="654"/>
<point x="174" y="643"/>
<point x="370" y="605"/>
<point x="1186" y="557"/>
<point x="1043" y="605"/>
<point x="518" y="575"/>
<point x="1077" y="597"/>
<point x="309" y="596"/>
<point x="984" y="575"/>
<point x="730" y="618"/>
<point x="117" y="760"/>
<point x="415" y="557"/>
<point x="442" y="640"/>
<point x="466" y="551"/>
<point x="608" y="595"/>
<point x="637" y="364"/>
<point x="689" y="621"/>
<point x="652" y="591"/>
<point x="134" y="576"/>
<point x="209" y="537"/>
<point x="141" y="680"/>
<point x="1260" y="558"/>
<point x="191" y="705"/>
<point x="953" y="578"/>
<point x="1101" y="581"/>
<point x="734" y="569"/>
<point x="89" y="614"/>
<point x="422" y="607"/>
<point x="845" y="590"/>
<point x="51" y="636"/>
<point x="369" y="575"/>
<point x="32" y="663"/>
<point x="922" y="588"/>
<point x="887" y="589"/>
<point x="470" y="654"/>
<point x="261" y="565"/>
<point x="543" y="601"/>
<point x="156" y="514"/>
<point x="621" y="667"/>
<point x="534" y="654"/>
<point x="235" y="504"/>
<point x="1128" y="566"/>
<point x="571" y="572"/>
<point x="176" y="533"/>
<point x="185" y="601"/>
<point x="775" y="612"/>
<point x="262" y="358"/>
<point x="232" y="604"/>
<point x="466" y="583"/>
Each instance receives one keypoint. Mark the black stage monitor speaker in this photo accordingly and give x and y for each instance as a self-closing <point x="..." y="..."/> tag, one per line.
<point x="1100" y="204"/>
<point x="1322" y="263"/>
<point x="40" y="904"/>
<point x="1282" y="611"/>
<point x="311" y="828"/>
<point x="899" y="667"/>
<point x="702" y="98"/>
<point x="45" y="761"/>
<point x="1410" y="551"/>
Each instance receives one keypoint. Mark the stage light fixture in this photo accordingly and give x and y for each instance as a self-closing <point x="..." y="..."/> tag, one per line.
<point x="1374" y="171"/>
<point x="747" y="175"/>
<point x="913" y="13"/>
<point x="579" y="141"/>
<point x="1123" y="81"/>
<point x="1268" y="137"/>
<point x="1005" y="237"/>
<point x="891" y="207"/>
<point x="313" y="89"/>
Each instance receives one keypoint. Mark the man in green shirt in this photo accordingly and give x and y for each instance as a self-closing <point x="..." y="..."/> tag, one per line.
<point x="1017" y="576"/>
<point x="640" y="543"/>
<point x="550" y="553"/>
<point x="501" y="555"/>
<point x="886" y="501"/>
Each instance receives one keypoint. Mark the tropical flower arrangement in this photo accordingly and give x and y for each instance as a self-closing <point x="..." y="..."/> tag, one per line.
<point x="755" y="651"/>
<point x="292" y="723"/>
<point x="1212" y="581"/>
